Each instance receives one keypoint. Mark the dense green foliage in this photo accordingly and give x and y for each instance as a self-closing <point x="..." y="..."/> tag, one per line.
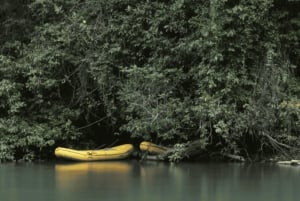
<point x="82" y="73"/>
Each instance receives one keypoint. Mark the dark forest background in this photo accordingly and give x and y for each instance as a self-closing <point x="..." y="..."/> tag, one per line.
<point x="86" y="74"/>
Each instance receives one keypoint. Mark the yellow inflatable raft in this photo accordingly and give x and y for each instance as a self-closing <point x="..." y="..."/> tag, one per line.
<point x="113" y="153"/>
<point x="152" y="148"/>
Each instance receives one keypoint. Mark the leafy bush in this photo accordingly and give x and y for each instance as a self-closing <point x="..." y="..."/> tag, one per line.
<point x="167" y="71"/>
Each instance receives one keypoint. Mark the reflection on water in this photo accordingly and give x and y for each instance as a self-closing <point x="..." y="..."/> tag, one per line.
<point x="20" y="182"/>
<point x="74" y="175"/>
<point x="86" y="167"/>
<point x="149" y="181"/>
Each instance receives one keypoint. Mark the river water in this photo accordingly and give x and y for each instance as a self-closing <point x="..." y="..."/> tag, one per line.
<point x="148" y="181"/>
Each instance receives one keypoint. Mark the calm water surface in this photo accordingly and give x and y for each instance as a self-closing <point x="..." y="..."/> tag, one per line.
<point x="151" y="181"/>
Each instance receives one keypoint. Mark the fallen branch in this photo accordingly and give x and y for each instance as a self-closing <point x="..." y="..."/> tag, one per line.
<point x="194" y="148"/>
<point x="275" y="142"/>
<point x="235" y="157"/>
<point x="291" y="162"/>
<point x="155" y="158"/>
